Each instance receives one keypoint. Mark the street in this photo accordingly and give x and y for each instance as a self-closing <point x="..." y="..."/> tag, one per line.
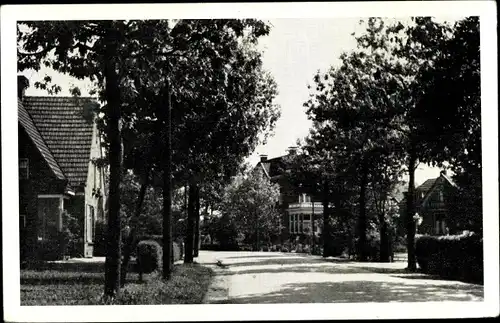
<point x="270" y="277"/>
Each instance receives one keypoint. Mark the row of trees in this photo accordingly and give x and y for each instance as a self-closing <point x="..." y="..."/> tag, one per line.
<point x="408" y="94"/>
<point x="184" y="103"/>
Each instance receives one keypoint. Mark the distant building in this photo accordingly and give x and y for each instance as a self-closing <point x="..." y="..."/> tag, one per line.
<point x="298" y="210"/>
<point x="431" y="205"/>
<point x="58" y="141"/>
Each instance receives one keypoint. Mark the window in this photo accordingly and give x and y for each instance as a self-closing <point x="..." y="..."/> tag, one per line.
<point x="48" y="218"/>
<point x="23" y="168"/>
<point x="300" y="223"/>
<point x="293" y="223"/>
<point x="90" y="223"/>
<point x="441" y="199"/>
<point x="308" y="199"/>
<point x="440" y="227"/>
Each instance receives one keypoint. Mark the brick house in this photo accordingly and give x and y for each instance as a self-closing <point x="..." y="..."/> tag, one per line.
<point x="58" y="141"/>
<point x="431" y="205"/>
<point x="297" y="210"/>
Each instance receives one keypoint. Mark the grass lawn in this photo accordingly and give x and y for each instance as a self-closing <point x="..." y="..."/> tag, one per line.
<point x="188" y="285"/>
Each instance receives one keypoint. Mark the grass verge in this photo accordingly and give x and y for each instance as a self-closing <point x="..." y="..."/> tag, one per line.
<point x="188" y="285"/>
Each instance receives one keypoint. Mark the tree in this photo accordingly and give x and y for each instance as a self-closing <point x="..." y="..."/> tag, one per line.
<point x="452" y="95"/>
<point x="251" y="203"/>
<point x="346" y="103"/>
<point x="375" y="103"/>
<point x="217" y="79"/>
<point x="92" y="50"/>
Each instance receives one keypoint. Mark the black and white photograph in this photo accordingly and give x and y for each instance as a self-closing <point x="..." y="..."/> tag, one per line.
<point x="294" y="160"/>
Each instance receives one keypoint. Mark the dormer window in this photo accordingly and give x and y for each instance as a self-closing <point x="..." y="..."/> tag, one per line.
<point x="23" y="168"/>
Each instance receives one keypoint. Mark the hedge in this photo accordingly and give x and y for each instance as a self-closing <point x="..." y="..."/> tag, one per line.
<point x="149" y="256"/>
<point x="454" y="256"/>
<point x="178" y="248"/>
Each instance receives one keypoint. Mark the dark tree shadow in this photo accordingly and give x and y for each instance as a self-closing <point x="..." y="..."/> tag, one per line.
<point x="243" y="256"/>
<point x="358" y="291"/>
<point x="277" y="261"/>
<point x="302" y="269"/>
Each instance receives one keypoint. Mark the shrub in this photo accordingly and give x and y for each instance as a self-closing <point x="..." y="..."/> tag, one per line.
<point x="456" y="256"/>
<point x="306" y="249"/>
<point x="177" y="246"/>
<point x="285" y="249"/>
<point x="48" y="250"/>
<point x="265" y="248"/>
<point x="149" y="256"/>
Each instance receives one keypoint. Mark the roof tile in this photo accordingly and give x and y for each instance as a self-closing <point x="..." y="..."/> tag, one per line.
<point x="67" y="133"/>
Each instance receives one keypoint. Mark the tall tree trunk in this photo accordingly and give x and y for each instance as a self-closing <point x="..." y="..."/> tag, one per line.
<point x="326" y="221"/>
<point x="186" y="199"/>
<point x="384" y="239"/>
<point x="258" y="237"/>
<point x="188" y="251"/>
<point x="410" y="211"/>
<point x="167" y="185"/>
<point x="313" y="229"/>
<point x="113" y="252"/>
<point x="362" y="254"/>
<point x="197" y="223"/>
<point x="127" y="250"/>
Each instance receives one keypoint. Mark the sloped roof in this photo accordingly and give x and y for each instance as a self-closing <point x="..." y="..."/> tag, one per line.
<point x="265" y="167"/>
<point x="273" y="167"/>
<point x="427" y="185"/>
<point x="452" y="183"/>
<point x="29" y="126"/>
<point x="67" y="133"/>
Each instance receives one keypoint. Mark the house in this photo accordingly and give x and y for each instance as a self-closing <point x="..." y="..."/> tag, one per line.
<point x="298" y="210"/>
<point x="432" y="207"/>
<point x="58" y="144"/>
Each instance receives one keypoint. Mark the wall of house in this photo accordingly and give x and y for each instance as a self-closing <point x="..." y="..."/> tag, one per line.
<point x="94" y="189"/>
<point x="40" y="181"/>
<point x="434" y="208"/>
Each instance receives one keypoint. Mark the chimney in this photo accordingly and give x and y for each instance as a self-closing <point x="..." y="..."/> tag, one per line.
<point x="263" y="158"/>
<point x="292" y="150"/>
<point x="22" y="85"/>
<point x="443" y="172"/>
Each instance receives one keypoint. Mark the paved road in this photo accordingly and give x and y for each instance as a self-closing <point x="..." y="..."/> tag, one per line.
<point x="269" y="277"/>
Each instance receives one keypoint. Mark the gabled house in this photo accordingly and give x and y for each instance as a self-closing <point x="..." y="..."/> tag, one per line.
<point x="58" y="145"/>
<point x="431" y="205"/>
<point x="298" y="210"/>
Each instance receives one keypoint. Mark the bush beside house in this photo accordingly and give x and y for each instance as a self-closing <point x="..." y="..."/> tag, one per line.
<point x="455" y="256"/>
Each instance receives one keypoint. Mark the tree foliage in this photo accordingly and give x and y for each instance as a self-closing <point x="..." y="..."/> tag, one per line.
<point x="380" y="109"/>
<point x="250" y="201"/>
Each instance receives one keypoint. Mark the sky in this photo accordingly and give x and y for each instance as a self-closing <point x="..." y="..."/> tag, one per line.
<point x="293" y="52"/>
